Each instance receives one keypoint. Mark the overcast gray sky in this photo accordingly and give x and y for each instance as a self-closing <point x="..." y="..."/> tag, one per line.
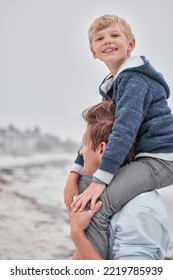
<point x="47" y="73"/>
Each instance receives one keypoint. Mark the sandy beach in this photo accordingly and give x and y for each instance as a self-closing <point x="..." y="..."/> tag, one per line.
<point x="34" y="223"/>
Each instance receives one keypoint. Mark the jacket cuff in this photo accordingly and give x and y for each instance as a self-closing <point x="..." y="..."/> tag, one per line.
<point x="76" y="168"/>
<point x="98" y="181"/>
<point x="103" y="176"/>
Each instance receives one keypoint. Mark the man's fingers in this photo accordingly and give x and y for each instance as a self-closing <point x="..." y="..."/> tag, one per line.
<point x="97" y="206"/>
<point x="93" y="202"/>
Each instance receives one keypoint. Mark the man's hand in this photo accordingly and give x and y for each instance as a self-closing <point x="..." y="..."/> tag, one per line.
<point x="79" y="221"/>
<point x="90" y="194"/>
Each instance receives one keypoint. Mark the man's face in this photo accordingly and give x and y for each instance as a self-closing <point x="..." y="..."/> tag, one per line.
<point x="91" y="158"/>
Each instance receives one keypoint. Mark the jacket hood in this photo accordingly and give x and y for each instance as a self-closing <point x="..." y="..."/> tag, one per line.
<point x="137" y="64"/>
<point x="147" y="69"/>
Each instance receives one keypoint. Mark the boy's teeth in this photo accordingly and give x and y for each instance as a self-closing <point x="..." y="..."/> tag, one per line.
<point x="109" y="50"/>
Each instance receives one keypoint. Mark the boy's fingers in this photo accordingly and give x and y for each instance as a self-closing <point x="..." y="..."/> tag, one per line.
<point x="84" y="203"/>
<point x="77" y="205"/>
<point x="68" y="201"/>
<point x="80" y="203"/>
<point x="76" y="198"/>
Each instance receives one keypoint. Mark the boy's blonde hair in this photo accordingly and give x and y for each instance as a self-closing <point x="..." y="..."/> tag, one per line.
<point x="105" y="21"/>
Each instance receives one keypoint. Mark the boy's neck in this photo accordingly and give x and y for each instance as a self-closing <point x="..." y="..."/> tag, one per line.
<point x="114" y="68"/>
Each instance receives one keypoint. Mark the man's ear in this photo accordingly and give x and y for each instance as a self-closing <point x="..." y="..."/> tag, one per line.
<point x="102" y="147"/>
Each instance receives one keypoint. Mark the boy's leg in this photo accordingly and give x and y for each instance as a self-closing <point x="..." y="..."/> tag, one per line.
<point x="141" y="175"/>
<point x="84" y="182"/>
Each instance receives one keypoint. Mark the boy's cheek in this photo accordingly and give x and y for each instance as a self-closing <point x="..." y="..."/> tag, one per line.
<point x="93" y="53"/>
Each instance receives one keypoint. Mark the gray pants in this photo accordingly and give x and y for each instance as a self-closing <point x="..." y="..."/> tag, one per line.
<point x="142" y="175"/>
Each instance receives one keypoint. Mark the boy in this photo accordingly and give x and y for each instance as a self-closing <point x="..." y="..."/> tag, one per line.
<point x="142" y="116"/>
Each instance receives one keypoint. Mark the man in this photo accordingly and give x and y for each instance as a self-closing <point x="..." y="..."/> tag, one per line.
<point x="139" y="230"/>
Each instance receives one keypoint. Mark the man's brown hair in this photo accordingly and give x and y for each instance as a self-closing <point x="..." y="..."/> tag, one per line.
<point x="100" y="119"/>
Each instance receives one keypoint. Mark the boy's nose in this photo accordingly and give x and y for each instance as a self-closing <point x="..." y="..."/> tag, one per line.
<point x="107" y="42"/>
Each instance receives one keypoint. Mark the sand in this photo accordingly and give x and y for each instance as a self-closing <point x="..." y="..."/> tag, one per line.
<point x="34" y="223"/>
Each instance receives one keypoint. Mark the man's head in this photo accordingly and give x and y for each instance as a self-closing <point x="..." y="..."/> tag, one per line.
<point x="100" y="119"/>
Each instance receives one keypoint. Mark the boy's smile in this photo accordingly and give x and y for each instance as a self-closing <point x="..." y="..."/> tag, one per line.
<point x="109" y="50"/>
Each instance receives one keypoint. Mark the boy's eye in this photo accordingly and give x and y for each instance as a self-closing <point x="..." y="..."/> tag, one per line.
<point x="115" y="35"/>
<point x="99" y="38"/>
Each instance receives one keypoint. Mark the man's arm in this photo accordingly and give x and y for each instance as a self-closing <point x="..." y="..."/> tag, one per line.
<point x="85" y="249"/>
<point x="79" y="221"/>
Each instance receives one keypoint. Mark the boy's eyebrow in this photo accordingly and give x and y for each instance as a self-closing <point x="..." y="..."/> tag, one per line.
<point x="113" y="30"/>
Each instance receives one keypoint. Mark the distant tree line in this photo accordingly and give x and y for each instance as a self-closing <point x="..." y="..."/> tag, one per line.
<point x="29" y="141"/>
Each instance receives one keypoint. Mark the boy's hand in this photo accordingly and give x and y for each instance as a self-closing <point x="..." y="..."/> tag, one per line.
<point x="71" y="189"/>
<point x="90" y="194"/>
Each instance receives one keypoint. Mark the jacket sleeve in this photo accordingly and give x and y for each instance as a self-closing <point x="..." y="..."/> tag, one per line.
<point x="130" y="94"/>
<point x="78" y="164"/>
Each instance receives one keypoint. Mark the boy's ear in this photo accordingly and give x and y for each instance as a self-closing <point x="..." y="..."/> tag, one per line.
<point x="93" y="53"/>
<point x="132" y="44"/>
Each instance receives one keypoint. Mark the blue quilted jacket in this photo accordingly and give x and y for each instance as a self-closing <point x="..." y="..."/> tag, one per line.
<point x="142" y="115"/>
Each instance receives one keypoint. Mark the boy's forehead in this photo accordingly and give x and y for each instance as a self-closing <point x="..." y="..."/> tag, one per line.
<point x="113" y="27"/>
